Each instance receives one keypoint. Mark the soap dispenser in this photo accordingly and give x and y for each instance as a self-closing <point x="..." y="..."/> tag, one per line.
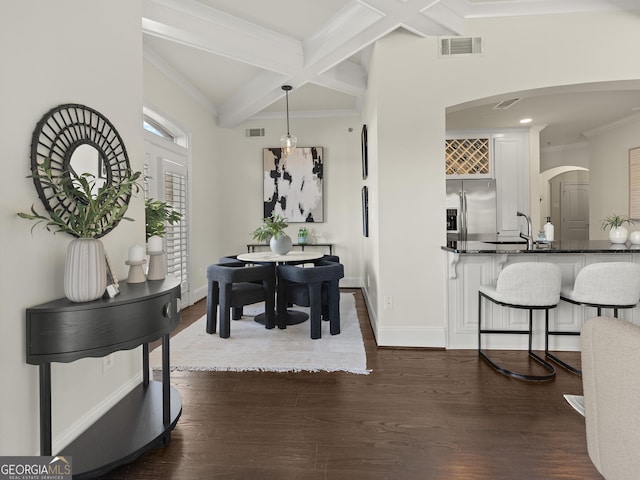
<point x="548" y="230"/>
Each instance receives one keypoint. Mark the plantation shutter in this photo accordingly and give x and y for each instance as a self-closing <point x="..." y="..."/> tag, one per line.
<point x="175" y="193"/>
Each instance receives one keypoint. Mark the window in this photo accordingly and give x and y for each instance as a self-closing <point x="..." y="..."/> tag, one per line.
<point x="152" y="126"/>
<point x="175" y="193"/>
<point x="166" y="179"/>
<point x="158" y="125"/>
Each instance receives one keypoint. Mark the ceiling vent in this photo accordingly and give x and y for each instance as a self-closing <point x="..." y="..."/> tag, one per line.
<point x="460" y="46"/>
<point x="503" y="105"/>
<point x="254" y="132"/>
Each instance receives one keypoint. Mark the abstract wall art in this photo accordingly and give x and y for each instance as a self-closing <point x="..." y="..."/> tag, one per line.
<point x="293" y="184"/>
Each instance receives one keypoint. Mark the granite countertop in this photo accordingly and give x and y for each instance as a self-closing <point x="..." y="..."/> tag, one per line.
<point x="568" y="246"/>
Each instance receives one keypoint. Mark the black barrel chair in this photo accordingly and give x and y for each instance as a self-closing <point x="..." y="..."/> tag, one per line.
<point x="328" y="258"/>
<point x="233" y="286"/>
<point x="232" y="261"/>
<point x="315" y="287"/>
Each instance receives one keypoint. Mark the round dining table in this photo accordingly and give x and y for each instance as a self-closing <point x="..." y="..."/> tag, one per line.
<point x="270" y="257"/>
<point x="293" y="317"/>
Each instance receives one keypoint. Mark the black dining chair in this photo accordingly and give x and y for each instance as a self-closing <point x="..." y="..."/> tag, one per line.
<point x="328" y="258"/>
<point x="232" y="261"/>
<point x="234" y="286"/>
<point x="315" y="287"/>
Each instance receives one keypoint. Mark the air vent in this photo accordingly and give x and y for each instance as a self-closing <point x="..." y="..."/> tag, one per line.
<point x="460" y="45"/>
<point x="503" y="105"/>
<point x="254" y="132"/>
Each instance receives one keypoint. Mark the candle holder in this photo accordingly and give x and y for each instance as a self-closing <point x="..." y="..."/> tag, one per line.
<point x="156" y="266"/>
<point x="136" y="274"/>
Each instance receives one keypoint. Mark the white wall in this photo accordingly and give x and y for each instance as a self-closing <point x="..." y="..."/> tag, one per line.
<point x="55" y="52"/>
<point x="576" y="155"/>
<point x="609" y="175"/>
<point x="413" y="88"/>
<point x="167" y="99"/>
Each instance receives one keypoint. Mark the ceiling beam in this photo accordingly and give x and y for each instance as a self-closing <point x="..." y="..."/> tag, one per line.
<point x="321" y="59"/>
<point x="468" y="9"/>
<point x="425" y="18"/>
<point x="196" y="25"/>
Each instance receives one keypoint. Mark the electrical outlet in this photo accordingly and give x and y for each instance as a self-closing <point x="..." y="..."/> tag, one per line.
<point x="388" y="302"/>
<point x="107" y="362"/>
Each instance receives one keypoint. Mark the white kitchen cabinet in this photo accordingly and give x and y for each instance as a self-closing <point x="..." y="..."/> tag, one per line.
<point x="511" y="170"/>
<point x="508" y="163"/>
<point x="465" y="274"/>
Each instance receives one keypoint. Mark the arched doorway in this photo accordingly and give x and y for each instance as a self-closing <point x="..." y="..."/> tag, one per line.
<point x="564" y="196"/>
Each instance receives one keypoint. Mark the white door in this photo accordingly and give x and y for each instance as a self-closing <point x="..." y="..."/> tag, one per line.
<point x="574" y="211"/>
<point x="167" y="180"/>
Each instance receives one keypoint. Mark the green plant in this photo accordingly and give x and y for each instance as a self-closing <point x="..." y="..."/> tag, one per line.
<point x="272" y="226"/>
<point x="615" y="221"/>
<point x="157" y="215"/>
<point x="97" y="209"/>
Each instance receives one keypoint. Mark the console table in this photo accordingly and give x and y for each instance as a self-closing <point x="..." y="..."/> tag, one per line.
<point x="63" y="331"/>
<point x="251" y="247"/>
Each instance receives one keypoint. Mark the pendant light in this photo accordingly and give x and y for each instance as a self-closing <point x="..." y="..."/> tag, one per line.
<point x="288" y="141"/>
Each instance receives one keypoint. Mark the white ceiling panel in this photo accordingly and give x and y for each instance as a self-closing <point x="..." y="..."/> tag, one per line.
<point x="234" y="56"/>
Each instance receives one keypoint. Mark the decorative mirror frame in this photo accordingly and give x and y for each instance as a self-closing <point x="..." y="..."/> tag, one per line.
<point x="58" y="134"/>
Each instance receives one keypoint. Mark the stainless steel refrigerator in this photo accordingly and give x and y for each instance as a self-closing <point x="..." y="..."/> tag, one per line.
<point x="471" y="209"/>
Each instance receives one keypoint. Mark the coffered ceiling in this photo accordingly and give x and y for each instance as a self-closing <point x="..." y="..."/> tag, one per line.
<point x="233" y="56"/>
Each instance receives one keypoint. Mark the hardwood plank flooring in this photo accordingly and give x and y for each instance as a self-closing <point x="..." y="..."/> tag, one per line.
<point x="421" y="414"/>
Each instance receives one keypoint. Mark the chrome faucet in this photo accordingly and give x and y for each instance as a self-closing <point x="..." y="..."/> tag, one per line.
<point x="529" y="236"/>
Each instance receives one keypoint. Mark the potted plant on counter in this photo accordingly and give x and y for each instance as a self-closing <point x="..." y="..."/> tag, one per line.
<point x="273" y="231"/>
<point x="88" y="212"/>
<point x="615" y="223"/>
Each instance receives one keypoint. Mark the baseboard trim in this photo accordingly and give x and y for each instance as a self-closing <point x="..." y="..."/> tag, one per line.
<point x="422" y="337"/>
<point x="78" y="427"/>
<point x="417" y="337"/>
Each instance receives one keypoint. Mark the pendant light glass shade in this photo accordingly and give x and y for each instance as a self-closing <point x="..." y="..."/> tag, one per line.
<point x="288" y="142"/>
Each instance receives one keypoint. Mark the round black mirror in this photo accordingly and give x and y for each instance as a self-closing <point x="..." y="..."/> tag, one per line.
<point x="77" y="137"/>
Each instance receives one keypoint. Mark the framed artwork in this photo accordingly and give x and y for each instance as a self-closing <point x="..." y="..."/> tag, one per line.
<point x="634" y="183"/>
<point x="365" y="156"/>
<point x="293" y="184"/>
<point x="365" y="211"/>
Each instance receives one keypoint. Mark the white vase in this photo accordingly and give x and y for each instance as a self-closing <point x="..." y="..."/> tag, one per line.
<point x="85" y="274"/>
<point x="618" y="234"/>
<point x="154" y="244"/>
<point x="634" y="237"/>
<point x="281" y="245"/>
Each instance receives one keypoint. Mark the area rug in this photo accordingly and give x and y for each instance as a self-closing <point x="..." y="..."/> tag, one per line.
<point x="251" y="347"/>
<point x="576" y="401"/>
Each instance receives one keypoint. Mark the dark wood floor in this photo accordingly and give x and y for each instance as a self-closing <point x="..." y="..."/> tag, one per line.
<point x="421" y="414"/>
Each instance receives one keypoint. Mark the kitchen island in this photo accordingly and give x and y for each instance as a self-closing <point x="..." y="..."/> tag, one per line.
<point x="472" y="263"/>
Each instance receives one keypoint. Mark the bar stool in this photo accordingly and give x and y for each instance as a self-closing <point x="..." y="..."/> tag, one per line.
<point x="530" y="286"/>
<point x="614" y="285"/>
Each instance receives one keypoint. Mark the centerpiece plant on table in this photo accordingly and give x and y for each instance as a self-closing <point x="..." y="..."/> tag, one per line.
<point x="273" y="231"/>
<point x="87" y="211"/>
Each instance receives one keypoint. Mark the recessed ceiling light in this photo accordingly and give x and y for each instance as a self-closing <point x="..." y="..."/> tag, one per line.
<point x="525" y="120"/>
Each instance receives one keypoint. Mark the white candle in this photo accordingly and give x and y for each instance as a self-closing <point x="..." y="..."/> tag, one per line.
<point x="155" y="244"/>
<point x="136" y="253"/>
